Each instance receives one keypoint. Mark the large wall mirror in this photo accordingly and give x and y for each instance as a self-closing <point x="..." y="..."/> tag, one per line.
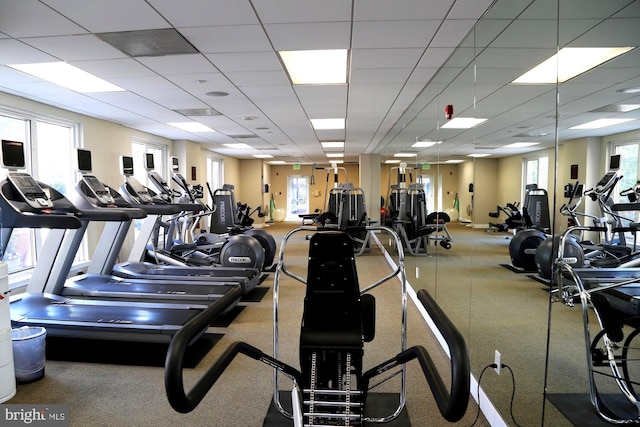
<point x="496" y="308"/>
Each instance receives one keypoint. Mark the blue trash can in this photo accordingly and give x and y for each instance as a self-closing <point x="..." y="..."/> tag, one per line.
<point x="29" y="353"/>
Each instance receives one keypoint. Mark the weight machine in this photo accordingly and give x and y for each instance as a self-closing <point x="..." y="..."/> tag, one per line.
<point x="330" y="388"/>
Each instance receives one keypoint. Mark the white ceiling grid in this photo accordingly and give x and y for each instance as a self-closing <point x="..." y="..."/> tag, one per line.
<point x="396" y="48"/>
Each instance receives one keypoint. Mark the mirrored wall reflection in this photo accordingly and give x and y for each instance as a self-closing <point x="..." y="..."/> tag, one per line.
<point x="584" y="158"/>
<point x="525" y="133"/>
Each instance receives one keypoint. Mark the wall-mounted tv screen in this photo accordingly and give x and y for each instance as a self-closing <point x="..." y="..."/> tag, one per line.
<point x="174" y="164"/>
<point x="127" y="165"/>
<point x="149" y="163"/>
<point x="84" y="160"/>
<point x="614" y="162"/>
<point x="13" y="154"/>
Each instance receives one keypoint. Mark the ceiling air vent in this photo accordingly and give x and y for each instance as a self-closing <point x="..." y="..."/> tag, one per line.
<point x="198" y="112"/>
<point x="160" y="42"/>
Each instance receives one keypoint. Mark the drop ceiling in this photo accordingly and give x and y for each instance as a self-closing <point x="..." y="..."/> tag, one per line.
<point x="408" y="59"/>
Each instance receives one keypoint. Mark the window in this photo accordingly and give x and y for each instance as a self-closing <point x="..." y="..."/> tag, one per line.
<point x="138" y="149"/>
<point x="629" y="167"/>
<point x="536" y="171"/>
<point x="215" y="177"/>
<point x="49" y="146"/>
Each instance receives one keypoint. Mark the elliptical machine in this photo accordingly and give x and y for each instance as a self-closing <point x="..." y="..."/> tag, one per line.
<point x="227" y="220"/>
<point x="523" y="246"/>
<point x="236" y="251"/>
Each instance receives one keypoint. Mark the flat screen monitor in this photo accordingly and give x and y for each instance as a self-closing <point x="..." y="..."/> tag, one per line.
<point x="13" y="154"/>
<point x="149" y="164"/>
<point x="174" y="164"/>
<point x="84" y="160"/>
<point x="614" y="162"/>
<point x="126" y="165"/>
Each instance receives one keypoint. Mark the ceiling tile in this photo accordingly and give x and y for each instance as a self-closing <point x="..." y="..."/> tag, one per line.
<point x="393" y="34"/>
<point x="323" y="35"/>
<point x="385" y="58"/>
<point x="245" y="61"/>
<point x="75" y="47"/>
<point x="238" y="38"/>
<point x="290" y="11"/>
<point x="111" y="68"/>
<point x="31" y="18"/>
<point x="205" y="13"/>
<point x="379" y="10"/>
<point x="178" y="64"/>
<point x="112" y="15"/>
<point x="15" y="52"/>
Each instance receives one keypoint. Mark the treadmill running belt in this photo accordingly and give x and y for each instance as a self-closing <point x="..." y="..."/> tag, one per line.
<point x="124" y="352"/>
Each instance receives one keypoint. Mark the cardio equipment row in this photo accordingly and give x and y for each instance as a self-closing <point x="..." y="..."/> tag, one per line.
<point x="135" y="300"/>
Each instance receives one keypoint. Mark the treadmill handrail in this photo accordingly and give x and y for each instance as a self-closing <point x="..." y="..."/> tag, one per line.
<point x="183" y="401"/>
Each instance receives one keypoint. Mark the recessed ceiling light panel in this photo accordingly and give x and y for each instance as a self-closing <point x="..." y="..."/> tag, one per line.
<point x="463" y="123"/>
<point x="568" y="63"/>
<point x="332" y="144"/>
<point x="327" y="124"/>
<point x="601" y="123"/>
<point x="425" y="144"/>
<point x="68" y="76"/>
<point x="316" y="66"/>
<point x="191" y="126"/>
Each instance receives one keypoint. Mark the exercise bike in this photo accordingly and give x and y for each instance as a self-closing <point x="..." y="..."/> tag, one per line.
<point x="330" y="387"/>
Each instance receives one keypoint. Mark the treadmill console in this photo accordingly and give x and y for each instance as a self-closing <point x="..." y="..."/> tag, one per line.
<point x="30" y="190"/>
<point x="98" y="190"/>
<point x="160" y="183"/>
<point x="140" y="191"/>
<point x="606" y="181"/>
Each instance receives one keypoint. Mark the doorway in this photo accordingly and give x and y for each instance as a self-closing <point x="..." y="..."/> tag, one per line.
<point x="297" y="195"/>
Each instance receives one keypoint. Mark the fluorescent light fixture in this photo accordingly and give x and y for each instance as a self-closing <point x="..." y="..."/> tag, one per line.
<point x="278" y="162"/>
<point x="454" y="161"/>
<point x="337" y="161"/>
<point x="521" y="145"/>
<point x="263" y="156"/>
<point x="601" y="123"/>
<point x="334" y="154"/>
<point x="327" y="124"/>
<point x="238" y="145"/>
<point x="462" y="123"/>
<point x="191" y="126"/>
<point x="479" y="155"/>
<point x="390" y="161"/>
<point x="629" y="90"/>
<point x="68" y="76"/>
<point x="332" y="144"/>
<point x="405" y="155"/>
<point x="568" y="63"/>
<point x="425" y="144"/>
<point x="307" y="67"/>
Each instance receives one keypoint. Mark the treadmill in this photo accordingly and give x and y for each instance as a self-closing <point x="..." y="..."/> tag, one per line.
<point x="157" y="205"/>
<point x="26" y="203"/>
<point x="102" y="204"/>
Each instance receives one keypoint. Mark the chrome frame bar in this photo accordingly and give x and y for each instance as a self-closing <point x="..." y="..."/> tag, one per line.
<point x="399" y="271"/>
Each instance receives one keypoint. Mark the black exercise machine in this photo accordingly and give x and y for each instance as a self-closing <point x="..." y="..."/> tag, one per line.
<point x="330" y="388"/>
<point x="27" y="203"/>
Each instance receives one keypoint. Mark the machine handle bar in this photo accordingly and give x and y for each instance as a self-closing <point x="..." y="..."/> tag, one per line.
<point x="183" y="401"/>
<point x="452" y="404"/>
<point x="174" y="363"/>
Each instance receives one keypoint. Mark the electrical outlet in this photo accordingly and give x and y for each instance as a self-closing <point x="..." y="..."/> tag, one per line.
<point x="498" y="362"/>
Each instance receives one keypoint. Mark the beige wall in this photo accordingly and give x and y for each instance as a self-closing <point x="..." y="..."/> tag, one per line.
<point x="497" y="181"/>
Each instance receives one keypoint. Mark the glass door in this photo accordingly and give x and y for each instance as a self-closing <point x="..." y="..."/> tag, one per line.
<point x="297" y="196"/>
